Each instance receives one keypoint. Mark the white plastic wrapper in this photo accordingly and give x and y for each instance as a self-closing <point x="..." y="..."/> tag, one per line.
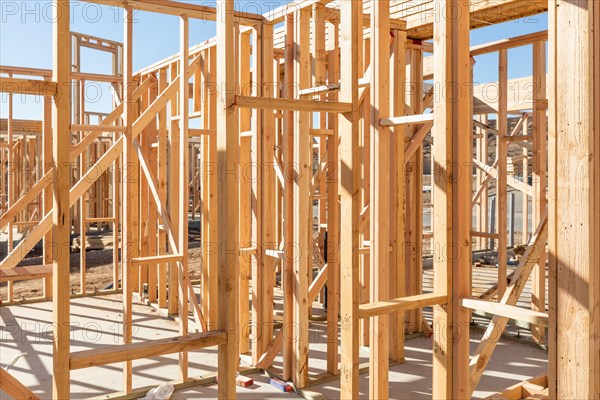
<point x="163" y="392"/>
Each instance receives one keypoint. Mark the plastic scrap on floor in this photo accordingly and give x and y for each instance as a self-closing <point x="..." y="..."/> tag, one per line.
<point x="162" y="392"/>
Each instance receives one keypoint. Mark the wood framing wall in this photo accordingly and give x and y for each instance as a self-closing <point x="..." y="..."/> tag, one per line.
<point x="306" y="174"/>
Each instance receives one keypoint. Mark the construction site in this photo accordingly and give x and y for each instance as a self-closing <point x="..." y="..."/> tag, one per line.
<point x="324" y="199"/>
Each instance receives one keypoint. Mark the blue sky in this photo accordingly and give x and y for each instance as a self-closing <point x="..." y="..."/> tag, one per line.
<point x="26" y="40"/>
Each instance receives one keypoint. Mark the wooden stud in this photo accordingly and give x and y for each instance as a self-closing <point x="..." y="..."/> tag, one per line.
<point x="213" y="199"/>
<point x="501" y="157"/>
<point x="162" y="189"/>
<point x="575" y="183"/>
<point x="228" y="204"/>
<point x="267" y="240"/>
<point x="538" y="291"/>
<point x="61" y="120"/>
<point x="288" y="201"/>
<point x="333" y="220"/>
<point x="245" y="198"/>
<point x="130" y="228"/>
<point x="397" y="189"/>
<point x="302" y="237"/>
<point x="47" y="195"/>
<point x="182" y="242"/>
<point x="452" y="213"/>
<point x="380" y="194"/>
<point x="349" y="168"/>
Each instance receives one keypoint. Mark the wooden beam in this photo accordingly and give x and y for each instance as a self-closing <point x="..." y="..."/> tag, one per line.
<point x="61" y="221"/>
<point x="350" y="205"/>
<point x="288" y="197"/>
<point x="197" y="11"/>
<point x="539" y="180"/>
<point x="157" y="259"/>
<point x="417" y="141"/>
<point x="27" y="86"/>
<point x="574" y="197"/>
<point x="397" y="281"/>
<point x="270" y="103"/>
<point x="421" y="25"/>
<point x="182" y="234"/>
<point x="451" y="195"/>
<point x="505" y="310"/>
<point x="12" y="387"/>
<point x="25" y="273"/>
<point x="407" y="120"/>
<point x="303" y="160"/>
<point x="228" y="143"/>
<point x="147" y="349"/>
<point x="333" y="209"/>
<point x="502" y="171"/>
<point x="130" y="200"/>
<point x="373" y="309"/>
<point x="505" y="44"/>
<point x="27" y="198"/>
<point x="380" y="195"/>
<point x="268" y="231"/>
<point x="317" y="284"/>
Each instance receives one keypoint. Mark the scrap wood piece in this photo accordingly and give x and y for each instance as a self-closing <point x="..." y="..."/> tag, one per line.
<point x="244" y="381"/>
<point x="14" y="388"/>
<point x="511" y="296"/>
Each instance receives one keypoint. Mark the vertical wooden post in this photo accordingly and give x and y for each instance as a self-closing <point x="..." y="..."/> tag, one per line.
<point x="260" y="339"/>
<point x="333" y="218"/>
<point x="213" y="197"/>
<point x="525" y="196"/>
<point x="414" y="196"/>
<point x="116" y="214"/>
<point x="574" y="198"/>
<point x="349" y="170"/>
<point x="380" y="193"/>
<point x="502" y="158"/>
<point x="397" y="228"/>
<point x="11" y="181"/>
<point x="174" y="201"/>
<point x="288" y="202"/>
<point x="303" y="163"/>
<point x="319" y="79"/>
<point x="482" y="155"/>
<point x="452" y="212"/>
<point x="228" y="143"/>
<point x="538" y="289"/>
<point x="182" y="243"/>
<point x="162" y="190"/>
<point x="61" y="221"/>
<point x="84" y="160"/>
<point x="267" y="181"/>
<point x="130" y="233"/>
<point x="47" y="197"/>
<point x="246" y="180"/>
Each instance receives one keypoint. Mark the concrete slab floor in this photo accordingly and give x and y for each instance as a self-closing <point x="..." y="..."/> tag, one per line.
<point x="96" y="322"/>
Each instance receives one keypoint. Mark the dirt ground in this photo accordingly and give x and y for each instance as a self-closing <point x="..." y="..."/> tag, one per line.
<point x="99" y="271"/>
